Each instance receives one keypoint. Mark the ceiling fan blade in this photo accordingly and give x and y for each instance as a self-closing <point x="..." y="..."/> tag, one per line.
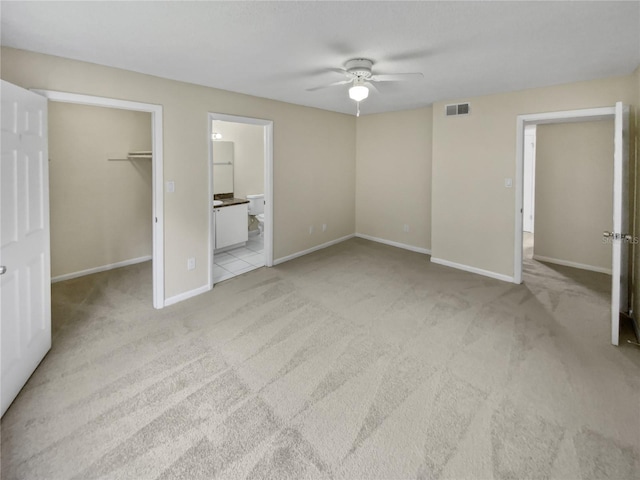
<point x="372" y="87"/>
<point x="341" y="82"/>
<point x="396" y="77"/>
<point x="338" y="70"/>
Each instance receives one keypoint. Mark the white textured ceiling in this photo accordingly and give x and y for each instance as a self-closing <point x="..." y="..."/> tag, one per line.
<point x="279" y="49"/>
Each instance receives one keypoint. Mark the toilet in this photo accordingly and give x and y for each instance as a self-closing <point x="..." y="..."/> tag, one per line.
<point x="256" y="209"/>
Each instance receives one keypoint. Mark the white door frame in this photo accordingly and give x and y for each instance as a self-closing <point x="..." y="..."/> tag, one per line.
<point x="268" y="183"/>
<point x="584" y="115"/>
<point x="531" y="176"/>
<point x="157" y="173"/>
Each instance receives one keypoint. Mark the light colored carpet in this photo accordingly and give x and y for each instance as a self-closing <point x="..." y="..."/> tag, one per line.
<point x="360" y="361"/>
<point x="527" y="246"/>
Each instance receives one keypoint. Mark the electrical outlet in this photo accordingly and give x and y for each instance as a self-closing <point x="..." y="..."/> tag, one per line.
<point x="324" y="227"/>
<point x="405" y="227"/>
<point x="191" y="263"/>
<point x="310" y="229"/>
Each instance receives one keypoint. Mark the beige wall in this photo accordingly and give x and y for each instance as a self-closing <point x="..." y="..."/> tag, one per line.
<point x="473" y="214"/>
<point x="100" y="209"/>
<point x="314" y="156"/>
<point x="574" y="192"/>
<point x="248" y="152"/>
<point x="393" y="176"/>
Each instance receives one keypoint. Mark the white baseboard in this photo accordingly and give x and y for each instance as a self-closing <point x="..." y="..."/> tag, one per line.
<point x="103" y="268"/>
<point x="426" y="251"/>
<point x="278" y="261"/>
<point x="566" y="263"/>
<point x="479" y="271"/>
<point x="186" y="295"/>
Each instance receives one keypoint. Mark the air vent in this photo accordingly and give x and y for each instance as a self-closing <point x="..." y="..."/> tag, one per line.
<point x="457" y="109"/>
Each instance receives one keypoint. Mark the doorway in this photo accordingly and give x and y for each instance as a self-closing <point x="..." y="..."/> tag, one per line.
<point x="157" y="208"/>
<point x="568" y="183"/>
<point x="618" y="236"/>
<point x="240" y="195"/>
<point x="99" y="190"/>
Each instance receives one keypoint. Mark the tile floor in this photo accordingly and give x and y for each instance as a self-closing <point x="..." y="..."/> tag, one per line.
<point x="240" y="260"/>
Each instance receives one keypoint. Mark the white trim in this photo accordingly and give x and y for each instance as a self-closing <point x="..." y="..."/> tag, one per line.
<point x="586" y="114"/>
<point x="517" y="252"/>
<point x="278" y="261"/>
<point x="102" y="268"/>
<point x="157" y="171"/>
<point x="567" y="263"/>
<point x="268" y="183"/>
<point x="268" y="195"/>
<point x="186" y="295"/>
<point x="479" y="271"/>
<point x="570" y="116"/>
<point x="620" y="250"/>
<point x="426" y="251"/>
<point x="212" y="213"/>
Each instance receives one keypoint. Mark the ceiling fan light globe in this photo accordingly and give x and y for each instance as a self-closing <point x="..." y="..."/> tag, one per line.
<point x="358" y="93"/>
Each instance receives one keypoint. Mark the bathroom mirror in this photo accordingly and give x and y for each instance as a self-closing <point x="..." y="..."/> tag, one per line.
<point x="222" y="167"/>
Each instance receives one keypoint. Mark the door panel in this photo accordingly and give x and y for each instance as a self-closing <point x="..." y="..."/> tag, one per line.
<point x="9" y="197"/>
<point x="25" y="287"/>
<point x="35" y="189"/>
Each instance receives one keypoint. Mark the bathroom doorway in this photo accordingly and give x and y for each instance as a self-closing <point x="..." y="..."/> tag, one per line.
<point x="240" y="195"/>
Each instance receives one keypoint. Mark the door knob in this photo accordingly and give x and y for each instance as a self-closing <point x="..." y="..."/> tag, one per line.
<point x="3" y="270"/>
<point x="607" y="234"/>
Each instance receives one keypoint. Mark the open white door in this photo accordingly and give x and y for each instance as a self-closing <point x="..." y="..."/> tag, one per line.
<point x="619" y="235"/>
<point x="25" y="267"/>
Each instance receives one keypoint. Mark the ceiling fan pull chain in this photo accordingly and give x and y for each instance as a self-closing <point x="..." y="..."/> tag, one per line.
<point x="357" y="109"/>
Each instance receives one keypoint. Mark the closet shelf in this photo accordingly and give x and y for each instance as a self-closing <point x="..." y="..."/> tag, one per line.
<point x="133" y="156"/>
<point x="140" y="155"/>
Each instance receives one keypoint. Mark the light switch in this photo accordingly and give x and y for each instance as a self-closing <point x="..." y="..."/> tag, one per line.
<point x="508" y="183"/>
<point x="171" y="186"/>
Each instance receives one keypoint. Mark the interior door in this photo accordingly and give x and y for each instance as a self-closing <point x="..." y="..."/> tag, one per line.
<point x="619" y="236"/>
<point x="25" y="267"/>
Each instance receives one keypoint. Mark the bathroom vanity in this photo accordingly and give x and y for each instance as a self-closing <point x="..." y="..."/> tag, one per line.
<point x="230" y="219"/>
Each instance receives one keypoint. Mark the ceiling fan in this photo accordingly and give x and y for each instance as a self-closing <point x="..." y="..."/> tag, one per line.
<point x="358" y="71"/>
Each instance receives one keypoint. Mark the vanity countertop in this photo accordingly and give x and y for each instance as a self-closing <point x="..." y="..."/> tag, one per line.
<point x="227" y="202"/>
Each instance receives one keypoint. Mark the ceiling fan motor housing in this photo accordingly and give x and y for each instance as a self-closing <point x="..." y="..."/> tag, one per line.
<point x="359" y="67"/>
